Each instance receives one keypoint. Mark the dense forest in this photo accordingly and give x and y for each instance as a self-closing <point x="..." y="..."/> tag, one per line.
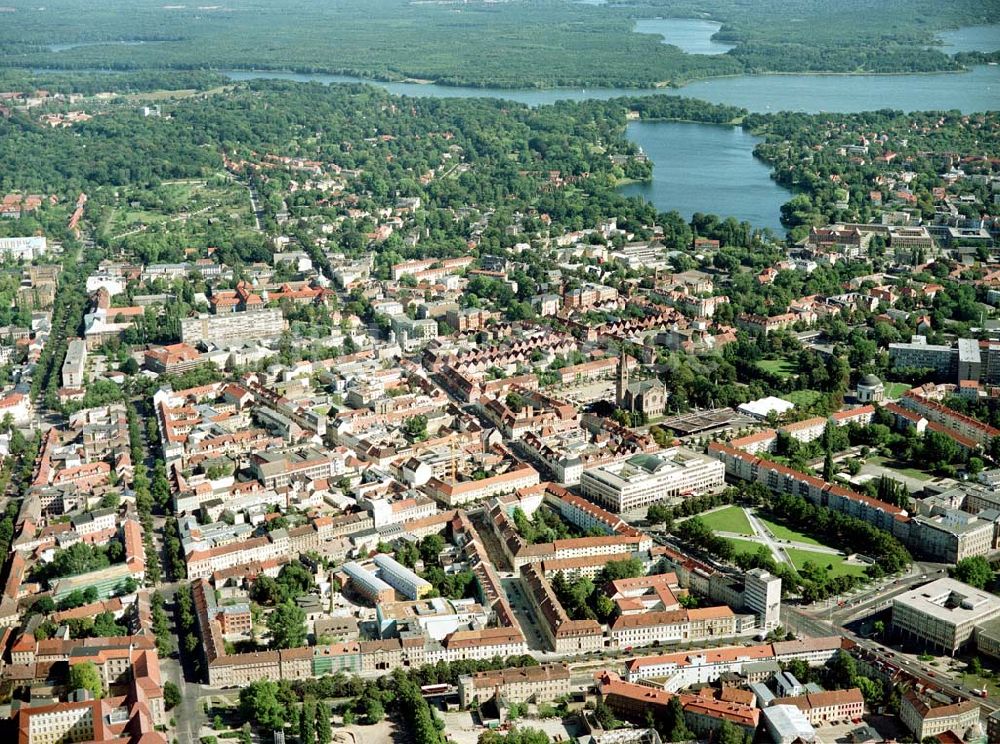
<point x="536" y="43"/>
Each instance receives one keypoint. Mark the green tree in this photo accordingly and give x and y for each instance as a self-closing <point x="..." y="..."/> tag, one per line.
<point x="416" y="426"/>
<point x="431" y="547"/>
<point x="727" y="733"/>
<point x="85" y="676"/>
<point x="975" y="571"/>
<point x="843" y="670"/>
<point x="828" y="469"/>
<point x="871" y="689"/>
<point x="605" y="717"/>
<point x="259" y="703"/>
<point x="324" y="732"/>
<point x="674" y="725"/>
<point x="516" y="402"/>
<point x="171" y="695"/>
<point x="287" y="624"/>
<point x="630" y="568"/>
<point x="660" y="514"/>
<point x="373" y="710"/>
<point x="43" y="606"/>
<point x="105" y="626"/>
<point x="660" y="436"/>
<point x="307" y="723"/>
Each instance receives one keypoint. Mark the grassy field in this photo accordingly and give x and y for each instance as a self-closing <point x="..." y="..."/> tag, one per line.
<point x="888" y="462"/>
<point x="781" y="532"/>
<point x="730" y="519"/>
<point x="838" y="562"/>
<point x="802" y="398"/>
<point x="895" y="389"/>
<point x="743" y="546"/>
<point x="780" y="367"/>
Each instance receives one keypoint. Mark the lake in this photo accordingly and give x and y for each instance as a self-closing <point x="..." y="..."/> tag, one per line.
<point x="971" y="39"/>
<point x="707" y="168"/>
<point x="690" y="35"/>
<point x="976" y="90"/>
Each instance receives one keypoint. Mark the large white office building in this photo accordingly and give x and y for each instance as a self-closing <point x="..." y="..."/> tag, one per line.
<point x="647" y="479"/>
<point x="943" y="613"/>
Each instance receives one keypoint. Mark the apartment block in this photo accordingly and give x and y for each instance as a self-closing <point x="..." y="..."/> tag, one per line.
<point x="950" y="536"/>
<point x="918" y="354"/>
<point x="762" y="597"/>
<point x="233" y="328"/>
<point x="676" y="626"/>
<point x="173" y="359"/>
<point x="703" y="715"/>
<point x="279" y="468"/>
<point x="74" y="364"/>
<point x="466" y="492"/>
<point x="937" y="413"/>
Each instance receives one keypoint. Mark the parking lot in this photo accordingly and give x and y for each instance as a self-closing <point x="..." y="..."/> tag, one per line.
<point x="838" y="732"/>
<point x="462" y="728"/>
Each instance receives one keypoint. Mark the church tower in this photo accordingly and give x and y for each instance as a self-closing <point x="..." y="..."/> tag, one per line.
<point x="622" y="384"/>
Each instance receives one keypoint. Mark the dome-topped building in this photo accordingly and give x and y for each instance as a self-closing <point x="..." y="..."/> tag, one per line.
<point x="870" y="389"/>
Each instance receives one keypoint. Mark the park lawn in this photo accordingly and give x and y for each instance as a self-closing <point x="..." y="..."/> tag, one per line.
<point x="183" y="189"/>
<point x="889" y="463"/>
<point x="781" y="532"/>
<point x="730" y="519"/>
<point x="780" y="367"/>
<point x="135" y="216"/>
<point x="743" y="546"/>
<point x="840" y="566"/>
<point x="802" y="398"/>
<point x="895" y="389"/>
